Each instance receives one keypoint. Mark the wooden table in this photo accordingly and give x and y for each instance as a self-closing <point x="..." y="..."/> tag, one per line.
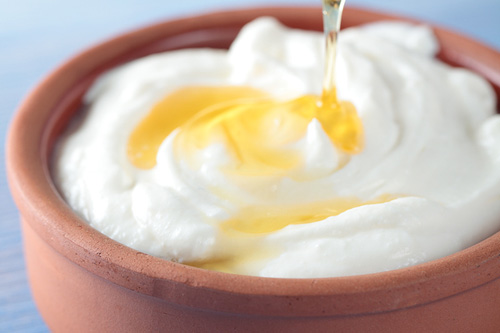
<point x="37" y="35"/>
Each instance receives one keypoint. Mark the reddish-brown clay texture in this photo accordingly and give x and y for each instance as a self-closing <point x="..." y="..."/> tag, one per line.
<point x="84" y="281"/>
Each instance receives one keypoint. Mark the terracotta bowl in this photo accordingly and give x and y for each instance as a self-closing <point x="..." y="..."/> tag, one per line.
<point x="84" y="281"/>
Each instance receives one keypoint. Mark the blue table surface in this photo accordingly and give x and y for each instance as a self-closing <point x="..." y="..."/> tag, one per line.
<point x="35" y="36"/>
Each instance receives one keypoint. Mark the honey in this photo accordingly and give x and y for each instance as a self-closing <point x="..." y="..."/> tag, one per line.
<point x="267" y="219"/>
<point x="253" y="222"/>
<point x="254" y="127"/>
<point x="259" y="133"/>
<point x="172" y="112"/>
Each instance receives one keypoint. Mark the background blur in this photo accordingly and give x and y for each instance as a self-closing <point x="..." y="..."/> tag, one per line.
<point x="36" y="35"/>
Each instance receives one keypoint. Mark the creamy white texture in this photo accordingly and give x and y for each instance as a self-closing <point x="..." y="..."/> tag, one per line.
<point x="432" y="139"/>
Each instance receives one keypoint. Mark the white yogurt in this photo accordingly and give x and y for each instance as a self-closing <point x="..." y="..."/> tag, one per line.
<point x="432" y="139"/>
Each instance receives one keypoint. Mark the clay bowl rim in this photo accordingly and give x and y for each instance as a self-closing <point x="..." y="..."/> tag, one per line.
<point x="29" y="144"/>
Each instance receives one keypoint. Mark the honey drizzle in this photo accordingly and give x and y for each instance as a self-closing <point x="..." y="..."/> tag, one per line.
<point x="245" y="119"/>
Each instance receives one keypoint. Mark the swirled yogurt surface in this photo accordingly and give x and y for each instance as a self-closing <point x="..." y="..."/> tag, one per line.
<point x="426" y="184"/>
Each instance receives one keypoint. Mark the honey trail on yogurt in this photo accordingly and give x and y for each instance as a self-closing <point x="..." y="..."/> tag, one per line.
<point x="173" y="112"/>
<point x="257" y="131"/>
<point x="267" y="219"/>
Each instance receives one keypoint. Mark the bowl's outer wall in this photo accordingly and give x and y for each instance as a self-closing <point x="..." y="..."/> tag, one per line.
<point x="84" y="281"/>
<point x="71" y="299"/>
